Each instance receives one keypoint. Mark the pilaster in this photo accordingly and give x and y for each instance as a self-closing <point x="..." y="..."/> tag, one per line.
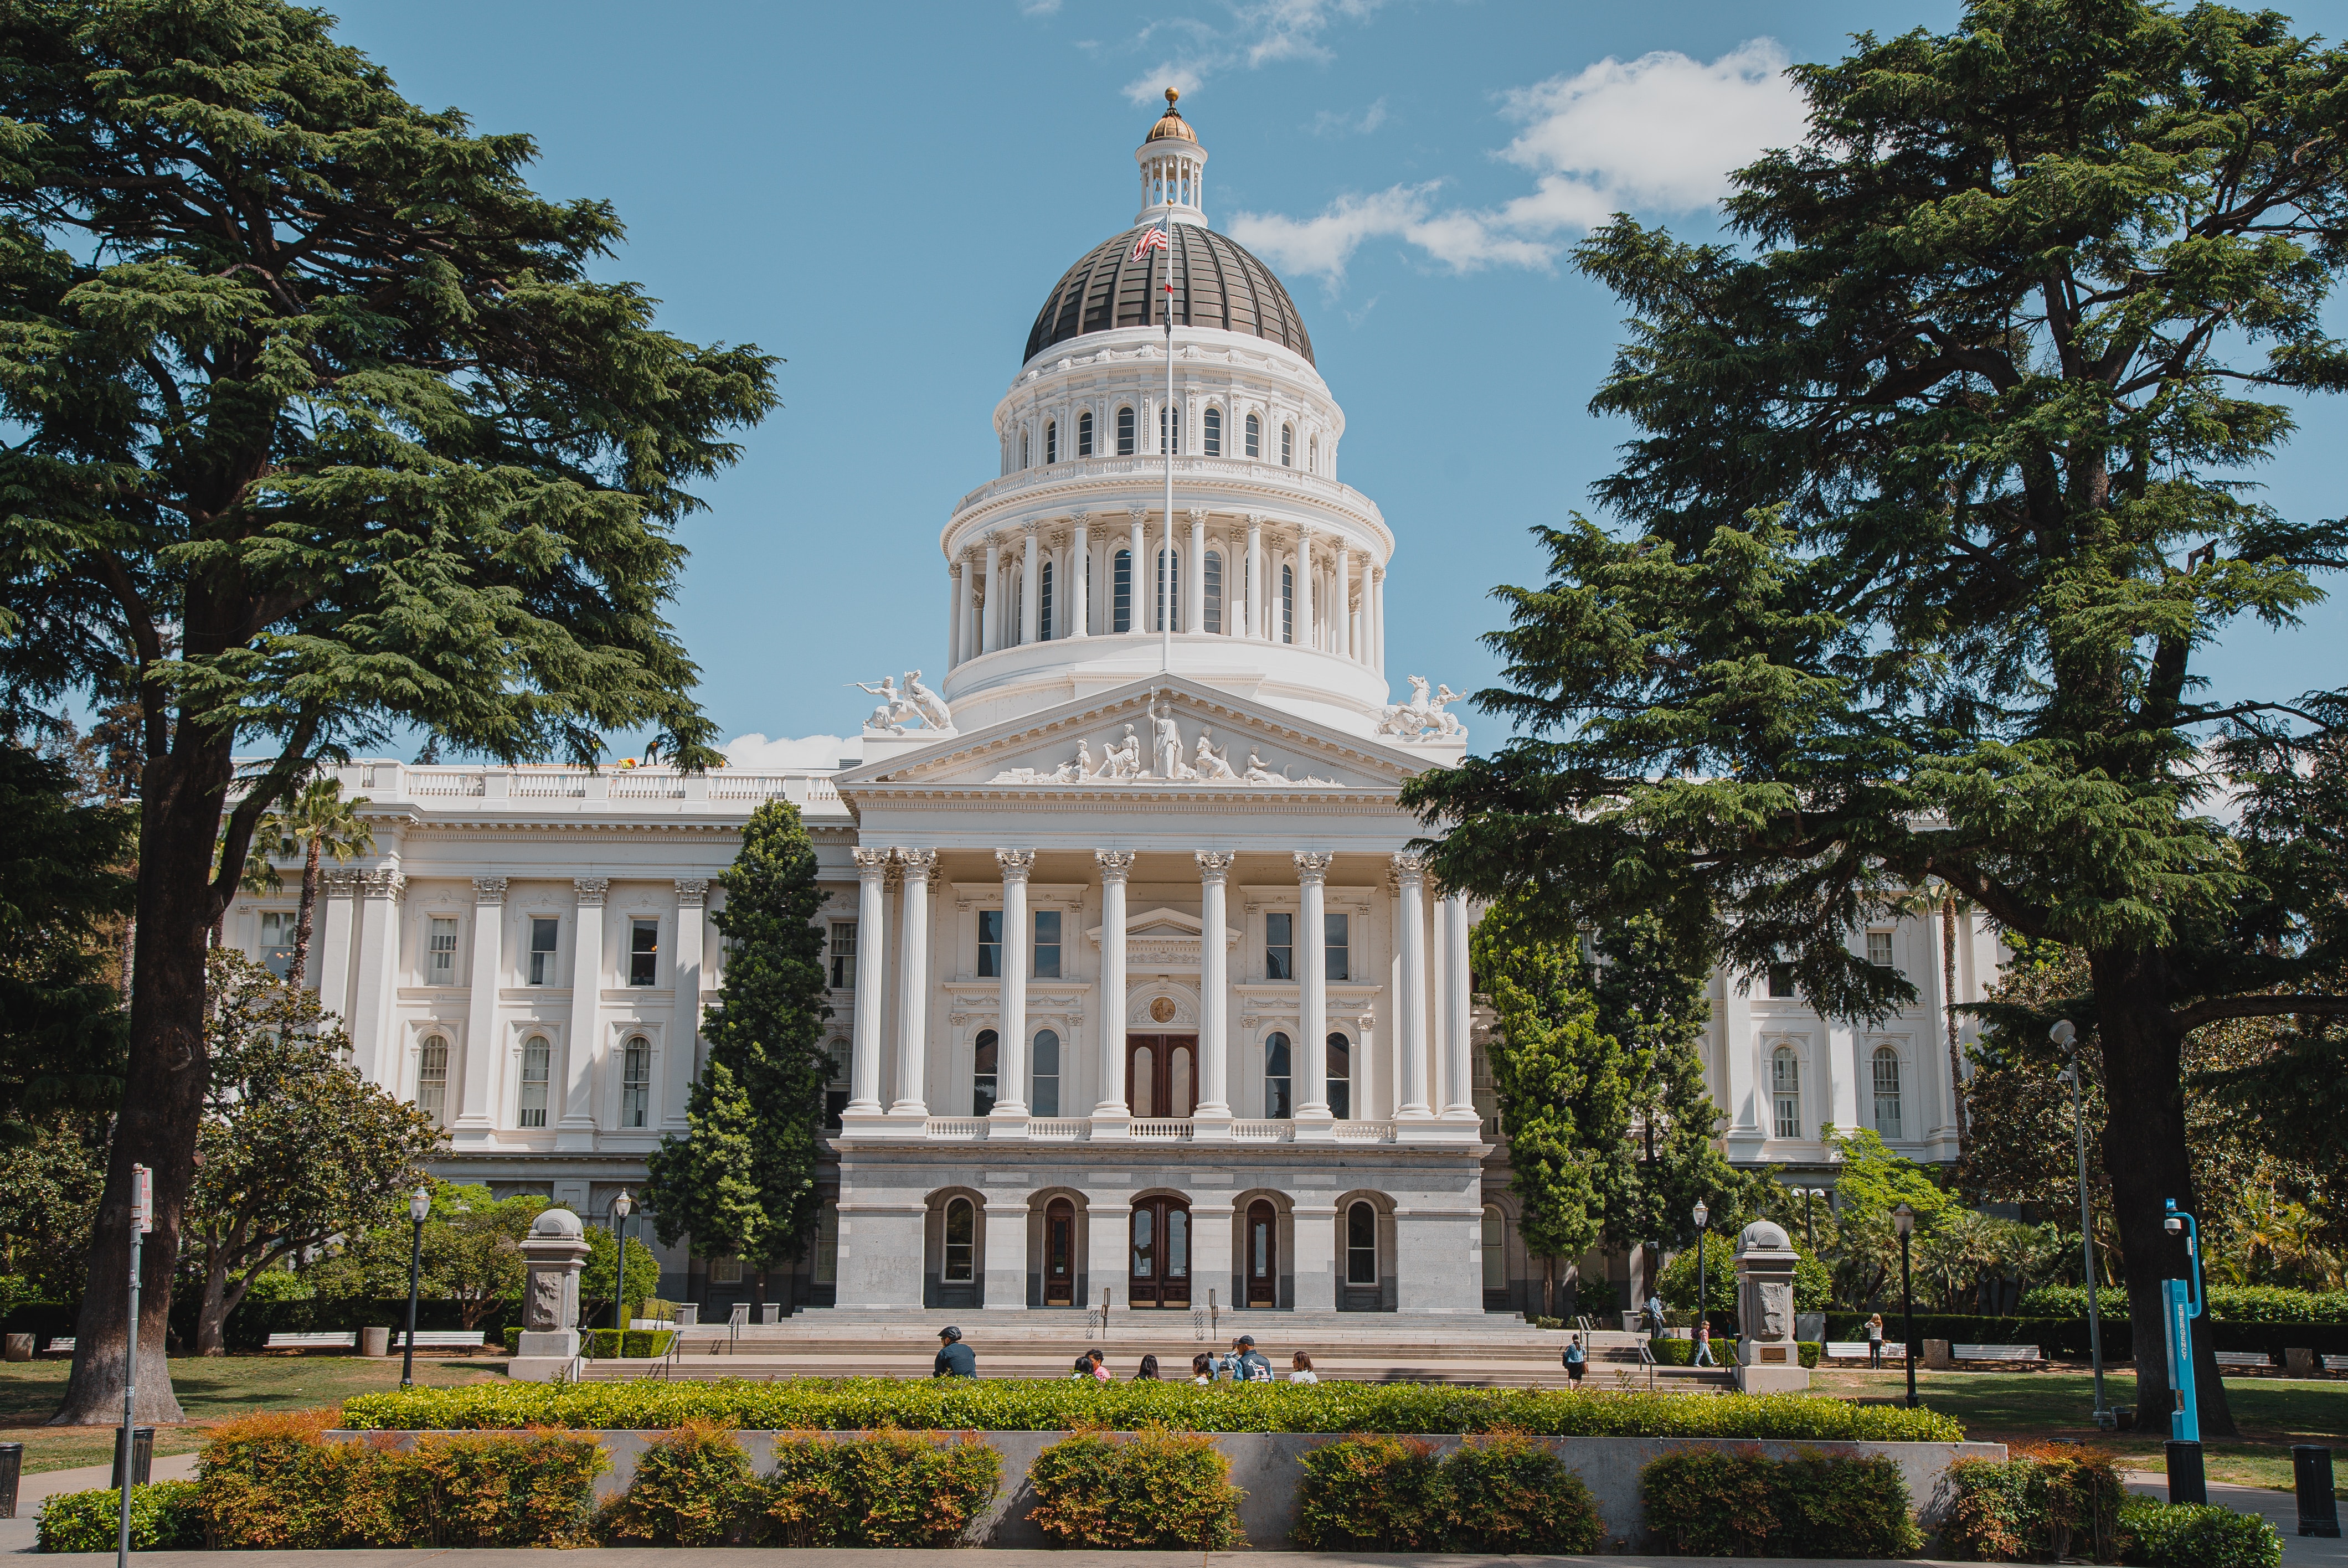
<point x="1314" y="1121"/>
<point x="1009" y="1117"/>
<point x="1112" y="1118"/>
<point x="911" y="1106"/>
<point x="871" y="978"/>
<point x="1212" y="1121"/>
<point x="373" y="1050"/>
<point x="684" y="1058"/>
<point x="475" y="1115"/>
<point x="583" y="1041"/>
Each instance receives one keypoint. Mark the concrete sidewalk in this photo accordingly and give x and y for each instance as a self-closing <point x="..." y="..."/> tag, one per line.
<point x="2280" y="1508"/>
<point x="607" y="1557"/>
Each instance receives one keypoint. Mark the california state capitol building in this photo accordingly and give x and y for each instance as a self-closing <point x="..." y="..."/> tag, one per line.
<point x="1138" y="989"/>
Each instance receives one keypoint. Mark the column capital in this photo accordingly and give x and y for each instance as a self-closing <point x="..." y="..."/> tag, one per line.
<point x="341" y="882"/>
<point x="1312" y="866"/>
<point x="692" y="892"/>
<point x="1015" y="863"/>
<point x="1139" y="515"/>
<point x="917" y="863"/>
<point x="1214" y="864"/>
<point x="1115" y="865"/>
<point x="1083" y="520"/>
<point x="1198" y="516"/>
<point x="871" y="865"/>
<point x="1029" y="527"/>
<point x="488" y="890"/>
<point x="1410" y="867"/>
<point x="383" y="883"/>
<point x="590" y="890"/>
<point x="1254" y="519"/>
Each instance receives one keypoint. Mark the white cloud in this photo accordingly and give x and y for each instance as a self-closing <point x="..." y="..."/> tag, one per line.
<point x="1257" y="33"/>
<point x="1657" y="134"/>
<point x="1335" y="122"/>
<point x="1039" y="7"/>
<point x="784" y="753"/>
<point x="1150" y="85"/>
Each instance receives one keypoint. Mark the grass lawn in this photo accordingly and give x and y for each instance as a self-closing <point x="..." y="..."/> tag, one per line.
<point x="2005" y="1408"/>
<point x="211" y="1389"/>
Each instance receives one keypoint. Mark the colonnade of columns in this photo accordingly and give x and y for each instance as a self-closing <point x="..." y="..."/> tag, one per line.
<point x="1432" y="1079"/>
<point x="1278" y="582"/>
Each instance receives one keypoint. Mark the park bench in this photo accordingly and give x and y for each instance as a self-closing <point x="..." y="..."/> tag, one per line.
<point x="1850" y="1349"/>
<point x="1995" y="1353"/>
<point x="442" y="1339"/>
<point x="2243" y="1358"/>
<point x="2335" y="1363"/>
<point x="313" y="1341"/>
<point x="63" y="1347"/>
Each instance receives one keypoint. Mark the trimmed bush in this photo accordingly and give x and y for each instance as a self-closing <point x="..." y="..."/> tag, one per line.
<point x="1504" y="1493"/>
<point x="692" y="1488"/>
<point x="1060" y="1404"/>
<point x="890" y="1489"/>
<point x="2157" y="1535"/>
<point x="163" y="1518"/>
<point x="1811" y="1351"/>
<point x="1371" y="1494"/>
<point x="1153" y="1490"/>
<point x="2042" y="1504"/>
<point x="2228" y="1303"/>
<point x="615" y="1344"/>
<point x="1510" y="1493"/>
<point x="1707" y="1503"/>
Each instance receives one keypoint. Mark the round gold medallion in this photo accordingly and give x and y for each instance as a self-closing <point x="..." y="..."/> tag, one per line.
<point x="1162" y="1010"/>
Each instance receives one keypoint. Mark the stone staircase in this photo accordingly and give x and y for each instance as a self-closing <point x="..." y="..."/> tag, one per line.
<point x="1372" y="1348"/>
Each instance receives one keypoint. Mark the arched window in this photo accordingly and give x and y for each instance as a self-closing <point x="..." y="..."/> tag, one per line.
<point x="982" y="1073"/>
<point x="1125" y="432"/>
<point x="1255" y="436"/>
<point x="1214" y="588"/>
<point x="1043" y="605"/>
<point x="1887" y="1092"/>
<point x="1022" y="448"/>
<point x="1121" y="599"/>
<point x="1051" y="441"/>
<point x="1168" y="581"/>
<point x="1312" y="455"/>
<point x="1341" y="1078"/>
<point x="1786" y="1091"/>
<point x="1288" y="445"/>
<point x="962" y="1236"/>
<point x="531" y="1107"/>
<point x="1165" y="443"/>
<point x="1275" y="1077"/>
<point x="1495" y="1256"/>
<point x="432" y="1078"/>
<point x="1043" y="1079"/>
<point x="1361" y="1244"/>
<point x="1213" y="420"/>
<point x="1288" y="604"/>
<point x="1085" y="433"/>
<point x="636" y="1083"/>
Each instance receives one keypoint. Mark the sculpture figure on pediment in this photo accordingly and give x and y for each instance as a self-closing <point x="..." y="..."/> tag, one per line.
<point x="1257" y="773"/>
<point x="896" y="709"/>
<point x="1422" y="718"/>
<point x="1122" y="762"/>
<point x="1084" y="763"/>
<point x="1210" y="764"/>
<point x="1446" y="727"/>
<point x="926" y="702"/>
<point x="1168" y="751"/>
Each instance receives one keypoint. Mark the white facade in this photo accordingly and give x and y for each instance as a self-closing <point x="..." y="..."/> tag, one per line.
<point x="1138" y="987"/>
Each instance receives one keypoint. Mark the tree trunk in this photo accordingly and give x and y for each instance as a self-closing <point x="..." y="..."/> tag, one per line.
<point x="1549" y="1287"/>
<point x="301" y="926"/>
<point x="211" y="1312"/>
<point x="2145" y="1154"/>
<point x="163" y="1088"/>
<point x="1948" y="1007"/>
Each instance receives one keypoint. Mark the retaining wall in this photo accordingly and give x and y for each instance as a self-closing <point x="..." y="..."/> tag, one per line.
<point x="1269" y="1466"/>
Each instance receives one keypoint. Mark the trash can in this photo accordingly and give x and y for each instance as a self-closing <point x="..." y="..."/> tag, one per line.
<point x="142" y="1457"/>
<point x="374" y="1342"/>
<point x="12" y="1467"/>
<point x="19" y="1348"/>
<point x="2319" y="1511"/>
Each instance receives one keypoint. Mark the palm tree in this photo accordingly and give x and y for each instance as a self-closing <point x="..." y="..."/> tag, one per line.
<point x="313" y="822"/>
<point x="259" y="876"/>
<point x="1937" y="897"/>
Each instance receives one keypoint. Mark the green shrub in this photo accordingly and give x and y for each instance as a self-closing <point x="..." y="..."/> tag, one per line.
<point x="1154" y="1489"/>
<point x="1708" y="1502"/>
<point x="889" y="1489"/>
<point x="1371" y="1494"/>
<point x="2040" y="1505"/>
<point x="1061" y="1404"/>
<point x="692" y="1488"/>
<point x="163" y="1518"/>
<point x="1672" y="1352"/>
<point x="1506" y="1493"/>
<point x="621" y="1344"/>
<point x="1511" y="1493"/>
<point x="2158" y="1535"/>
<point x="2228" y="1303"/>
<point x="1811" y="1351"/>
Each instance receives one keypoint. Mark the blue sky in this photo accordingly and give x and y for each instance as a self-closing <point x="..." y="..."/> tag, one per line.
<point x="882" y="194"/>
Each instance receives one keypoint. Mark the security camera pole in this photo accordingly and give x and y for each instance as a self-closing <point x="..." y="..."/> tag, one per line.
<point x="2181" y="1303"/>
<point x="142" y="1220"/>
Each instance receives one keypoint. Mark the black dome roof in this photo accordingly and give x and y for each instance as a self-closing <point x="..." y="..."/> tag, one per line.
<point x="1216" y="283"/>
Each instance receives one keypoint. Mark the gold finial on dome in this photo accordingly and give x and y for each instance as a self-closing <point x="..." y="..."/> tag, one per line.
<point x="1171" y="126"/>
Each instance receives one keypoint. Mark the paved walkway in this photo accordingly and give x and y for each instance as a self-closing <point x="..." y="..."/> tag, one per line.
<point x="2282" y="1510"/>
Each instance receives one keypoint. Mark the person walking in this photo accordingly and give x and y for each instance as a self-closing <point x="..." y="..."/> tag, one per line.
<point x="956" y="1360"/>
<point x="1654" y="1313"/>
<point x="1704" y="1343"/>
<point x="1148" y="1371"/>
<point x="1577" y="1361"/>
<point x="1301" y="1368"/>
<point x="1247" y="1365"/>
<point x="1875" y="1340"/>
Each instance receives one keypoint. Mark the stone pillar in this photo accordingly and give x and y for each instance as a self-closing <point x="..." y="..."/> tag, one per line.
<point x="913" y="985"/>
<point x="553" y="1254"/>
<point x="1312" y="1120"/>
<point x="1378" y="618"/>
<point x="1410" y="1007"/>
<point x="1031" y="598"/>
<point x="872" y="979"/>
<point x="1435" y="1004"/>
<point x="1341" y="610"/>
<point x="1253" y="626"/>
<point x="583" y="1041"/>
<point x="1314" y="1260"/>
<point x="372" y="1048"/>
<point x="1112" y="1115"/>
<point x="1459" y="1000"/>
<point x="684" y="1017"/>
<point x="1080" y="579"/>
<point x="961" y="619"/>
<point x="991" y="627"/>
<point x="1194" y="581"/>
<point x="337" y="929"/>
<point x="1305" y="638"/>
<point x="1767" y="1359"/>
<point x="1141" y="582"/>
<point x="1109" y="1225"/>
<point x="1010" y="1115"/>
<point x="1212" y="1119"/>
<point x="475" y="1115"/>
<point x="1004" y="1221"/>
<point x="882" y="1253"/>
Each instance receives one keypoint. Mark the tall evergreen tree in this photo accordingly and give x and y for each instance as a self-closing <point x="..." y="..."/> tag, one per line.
<point x="1935" y="499"/>
<point x="743" y="1178"/>
<point x="321" y="425"/>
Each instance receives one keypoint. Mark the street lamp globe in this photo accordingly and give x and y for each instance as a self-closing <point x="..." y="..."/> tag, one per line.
<point x="2063" y="1032"/>
<point x="1903" y="1219"/>
<point x="1702" y="1214"/>
<point x="622" y="1204"/>
<point x="420" y="1204"/>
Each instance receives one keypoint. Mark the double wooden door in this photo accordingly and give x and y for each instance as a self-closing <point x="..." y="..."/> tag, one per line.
<point x="1161" y="1075"/>
<point x="1263" y="1255"/>
<point x="1060" y="1253"/>
<point x="1158" y="1266"/>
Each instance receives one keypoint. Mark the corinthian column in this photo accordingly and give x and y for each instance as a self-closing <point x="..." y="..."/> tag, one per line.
<point x="1312" y="1120"/>
<point x="913" y="983"/>
<point x="955" y="622"/>
<point x="991" y="628"/>
<point x="1458" y="1094"/>
<point x="1410" y="1007"/>
<point x="1305" y="638"/>
<point x="1254" y="625"/>
<point x="1011" y="1084"/>
<point x="474" y="1117"/>
<point x="1111" y="1115"/>
<point x="1341" y="610"/>
<point x="1140" y="581"/>
<point x="1079" y="584"/>
<point x="1212" y="1119"/>
<point x="1031" y="599"/>
<point x="576" y="1129"/>
<point x="871" y="974"/>
<point x="1194" y="581"/>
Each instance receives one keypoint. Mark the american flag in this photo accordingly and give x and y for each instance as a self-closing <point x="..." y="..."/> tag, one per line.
<point x="1151" y="240"/>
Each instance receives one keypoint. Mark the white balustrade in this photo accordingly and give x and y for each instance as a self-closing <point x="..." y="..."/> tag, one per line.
<point x="1282" y="1131"/>
<point x="1162" y="1130"/>
<point x="1059" y="1129"/>
<point x="1365" y="1131"/>
<point x="955" y="1128"/>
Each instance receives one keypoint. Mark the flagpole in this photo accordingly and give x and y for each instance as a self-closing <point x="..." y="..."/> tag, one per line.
<point x="1172" y="437"/>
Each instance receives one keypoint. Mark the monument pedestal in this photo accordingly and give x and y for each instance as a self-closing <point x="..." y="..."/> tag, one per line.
<point x="554" y="1251"/>
<point x="1768" y="1360"/>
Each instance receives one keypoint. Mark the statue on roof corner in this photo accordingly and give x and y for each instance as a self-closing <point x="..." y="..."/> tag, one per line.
<point x="1423" y="717"/>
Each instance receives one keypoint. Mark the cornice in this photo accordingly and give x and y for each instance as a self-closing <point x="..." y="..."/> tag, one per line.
<point x="1237" y="484"/>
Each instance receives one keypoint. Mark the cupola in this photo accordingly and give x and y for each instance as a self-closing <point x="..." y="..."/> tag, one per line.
<point x="1173" y="170"/>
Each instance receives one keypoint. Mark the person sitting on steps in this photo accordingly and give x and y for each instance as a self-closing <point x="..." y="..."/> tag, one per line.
<point x="956" y="1360"/>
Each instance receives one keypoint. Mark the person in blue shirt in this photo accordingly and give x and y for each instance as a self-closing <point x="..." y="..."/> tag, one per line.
<point x="1576" y="1360"/>
<point x="956" y="1360"/>
<point x="1248" y="1365"/>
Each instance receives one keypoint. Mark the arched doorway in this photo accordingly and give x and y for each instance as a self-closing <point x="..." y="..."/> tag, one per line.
<point x="1161" y="1076"/>
<point x="1262" y="1254"/>
<point x="1158" y="1252"/>
<point x="1059" y="1253"/>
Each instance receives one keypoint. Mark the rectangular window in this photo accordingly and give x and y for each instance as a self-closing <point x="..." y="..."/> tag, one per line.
<point x="843" y="955"/>
<point x="1255" y="436"/>
<point x="1280" y="946"/>
<point x="1781" y="981"/>
<point x="531" y="1105"/>
<point x="1121" y="601"/>
<point x="545" y="931"/>
<point x="1341" y="1078"/>
<point x="724" y="1271"/>
<point x="277" y="931"/>
<point x="1043" y="1086"/>
<point x="1044" y="606"/>
<point x="1340" y="966"/>
<point x="1047" y="944"/>
<point x="1214" y="432"/>
<point x="1214" y="583"/>
<point x="1085" y="433"/>
<point x="1879" y="949"/>
<point x="1886" y="1092"/>
<point x="990" y="944"/>
<point x="636" y="1083"/>
<point x="432" y="1079"/>
<point x="1125" y="432"/>
<point x="1168" y="584"/>
<point x="440" y="952"/>
<point x="1288" y="604"/>
<point x="1052" y="442"/>
<point x="644" y="952"/>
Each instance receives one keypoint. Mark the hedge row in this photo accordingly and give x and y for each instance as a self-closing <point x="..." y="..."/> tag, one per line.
<point x="2067" y="1337"/>
<point x="693" y="1487"/>
<point x="1710" y="1502"/>
<point x="251" y="1324"/>
<point x="1044" y="1405"/>
<point x="2228" y="1303"/>
<point x="1673" y="1352"/>
<point x="1502" y="1494"/>
<point x="2040" y="1504"/>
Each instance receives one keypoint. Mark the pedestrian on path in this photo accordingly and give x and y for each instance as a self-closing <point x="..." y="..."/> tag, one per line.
<point x="1703" y="1342"/>
<point x="1875" y="1340"/>
<point x="956" y="1360"/>
<point x="1576" y="1360"/>
<point x="1301" y="1371"/>
<point x="1654" y="1312"/>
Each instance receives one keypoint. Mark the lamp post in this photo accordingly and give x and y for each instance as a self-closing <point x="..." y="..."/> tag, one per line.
<point x="1703" y="1280"/>
<point x="1810" y="1216"/>
<point x="2066" y="1035"/>
<point x="420" y="1204"/>
<point x="1903" y="1220"/>
<point x="620" y="1208"/>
